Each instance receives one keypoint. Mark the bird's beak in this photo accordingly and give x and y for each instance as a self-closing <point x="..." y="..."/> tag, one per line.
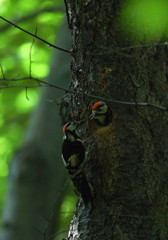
<point x="92" y="115"/>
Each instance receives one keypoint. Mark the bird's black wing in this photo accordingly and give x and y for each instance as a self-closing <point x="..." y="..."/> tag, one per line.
<point x="70" y="148"/>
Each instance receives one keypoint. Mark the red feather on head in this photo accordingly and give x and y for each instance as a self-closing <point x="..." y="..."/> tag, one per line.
<point x="64" y="128"/>
<point x="96" y="105"/>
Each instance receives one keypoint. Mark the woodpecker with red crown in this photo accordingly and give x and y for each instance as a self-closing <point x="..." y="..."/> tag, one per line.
<point x="74" y="158"/>
<point x="101" y="118"/>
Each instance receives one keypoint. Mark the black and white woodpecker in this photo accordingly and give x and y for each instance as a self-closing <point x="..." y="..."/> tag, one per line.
<point x="74" y="158"/>
<point x="101" y="118"/>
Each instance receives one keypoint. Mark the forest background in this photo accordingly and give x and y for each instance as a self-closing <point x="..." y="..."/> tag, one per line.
<point x="21" y="56"/>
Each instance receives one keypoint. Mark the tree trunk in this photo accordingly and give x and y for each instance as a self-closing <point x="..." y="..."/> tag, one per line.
<point x="128" y="167"/>
<point x="37" y="174"/>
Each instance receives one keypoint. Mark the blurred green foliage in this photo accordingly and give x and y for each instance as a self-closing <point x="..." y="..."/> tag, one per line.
<point x="16" y="104"/>
<point x="144" y="20"/>
<point x="66" y="212"/>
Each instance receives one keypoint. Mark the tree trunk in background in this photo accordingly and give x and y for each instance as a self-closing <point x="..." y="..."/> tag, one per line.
<point x="37" y="174"/>
<point x="128" y="167"/>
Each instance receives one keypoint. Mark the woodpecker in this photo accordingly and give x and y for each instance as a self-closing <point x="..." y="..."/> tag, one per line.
<point x="74" y="159"/>
<point x="101" y="118"/>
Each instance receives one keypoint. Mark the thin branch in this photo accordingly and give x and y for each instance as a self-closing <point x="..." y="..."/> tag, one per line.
<point x="65" y="186"/>
<point x="33" y="15"/>
<point x="41" y="233"/>
<point x="117" y="50"/>
<point x="30" y="54"/>
<point x="23" y="86"/>
<point x="35" y="36"/>
<point x="125" y="103"/>
<point x="39" y="81"/>
<point x="122" y="49"/>
<point x="3" y="74"/>
<point x="26" y="94"/>
<point x="142" y="104"/>
<point x="56" y="234"/>
<point x="157" y="44"/>
<point x="67" y="212"/>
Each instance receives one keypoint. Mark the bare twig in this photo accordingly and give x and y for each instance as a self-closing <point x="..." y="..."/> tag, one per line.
<point x="56" y="234"/>
<point x="30" y="54"/>
<point x="67" y="212"/>
<point x="26" y="94"/>
<point x="157" y="44"/>
<point x="37" y="80"/>
<point x="65" y="186"/>
<point x="117" y="50"/>
<point x="46" y="84"/>
<point x="22" y="86"/>
<point x="41" y="233"/>
<point x="33" y="15"/>
<point x="123" y="49"/>
<point x="35" y="36"/>
<point x="3" y="75"/>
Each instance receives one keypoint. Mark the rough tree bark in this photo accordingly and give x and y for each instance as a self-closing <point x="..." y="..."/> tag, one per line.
<point x="128" y="167"/>
<point x="37" y="174"/>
